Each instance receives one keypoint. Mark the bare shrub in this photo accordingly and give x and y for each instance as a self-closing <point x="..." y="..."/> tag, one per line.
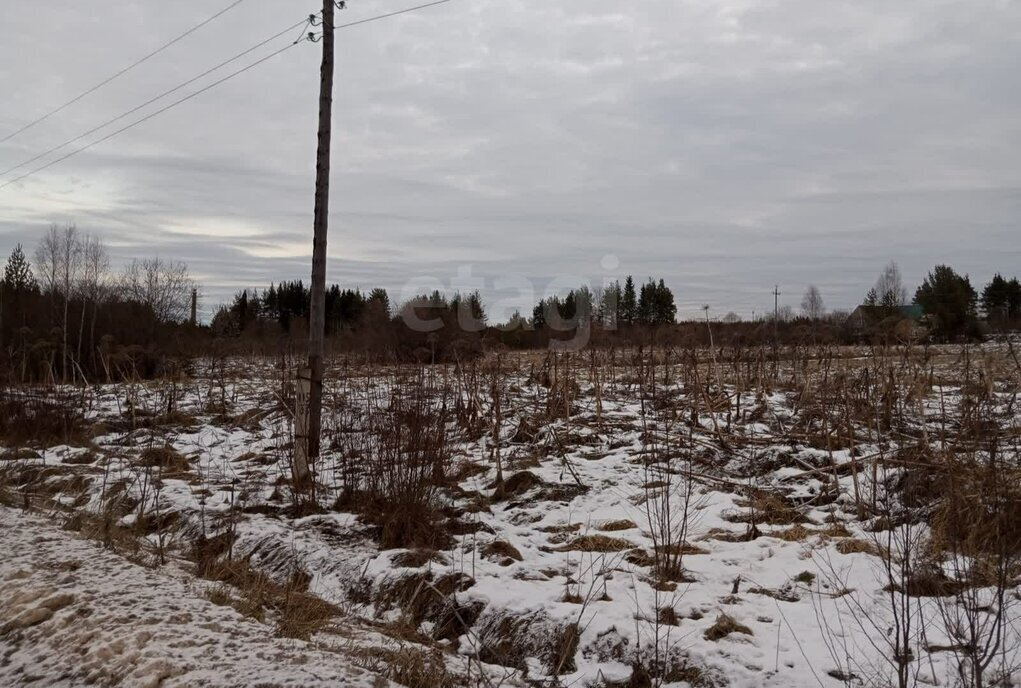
<point x="405" y="461"/>
<point x="978" y="527"/>
<point x="42" y="416"/>
<point x="671" y="501"/>
<point x="895" y="630"/>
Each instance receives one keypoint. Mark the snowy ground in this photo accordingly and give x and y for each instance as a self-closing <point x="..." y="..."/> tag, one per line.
<point x="552" y="579"/>
<point x="73" y="614"/>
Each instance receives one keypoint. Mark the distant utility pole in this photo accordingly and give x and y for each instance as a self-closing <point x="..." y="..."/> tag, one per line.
<point x="308" y="421"/>
<point x="776" y="314"/>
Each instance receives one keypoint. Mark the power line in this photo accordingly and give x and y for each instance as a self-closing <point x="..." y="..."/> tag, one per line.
<point x="390" y="14"/>
<point x="316" y="37"/>
<point x="123" y="71"/>
<point x="166" y="93"/>
<point x="206" y="88"/>
<point x="150" y="115"/>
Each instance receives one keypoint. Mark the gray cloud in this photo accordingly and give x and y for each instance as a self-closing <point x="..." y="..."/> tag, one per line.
<point x="722" y="146"/>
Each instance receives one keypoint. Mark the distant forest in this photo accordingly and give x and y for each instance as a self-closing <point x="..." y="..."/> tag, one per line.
<point x="66" y="315"/>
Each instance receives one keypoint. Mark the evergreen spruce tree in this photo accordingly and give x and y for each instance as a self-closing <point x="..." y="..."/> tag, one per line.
<point x="629" y="302"/>
<point x="539" y="315"/>
<point x="666" y="309"/>
<point x="646" y="303"/>
<point x="18" y="275"/>
<point x="996" y="297"/>
<point x="950" y="300"/>
<point x="1014" y="298"/>
<point x="380" y="300"/>
<point x="569" y="307"/>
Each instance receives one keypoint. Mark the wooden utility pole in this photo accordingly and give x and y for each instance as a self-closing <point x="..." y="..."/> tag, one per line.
<point x="776" y="314"/>
<point x="307" y="447"/>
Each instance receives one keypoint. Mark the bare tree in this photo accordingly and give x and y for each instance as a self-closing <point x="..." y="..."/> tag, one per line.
<point x="812" y="304"/>
<point x="47" y="260"/>
<point x="890" y="289"/>
<point x="162" y="286"/>
<point x="94" y="284"/>
<point x="58" y="260"/>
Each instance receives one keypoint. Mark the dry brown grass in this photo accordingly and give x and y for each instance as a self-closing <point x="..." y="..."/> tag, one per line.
<point x="220" y="594"/>
<point x="414" y="667"/>
<point x="502" y="551"/>
<point x="667" y="616"/>
<point x="595" y="543"/>
<point x="509" y="638"/>
<point x="415" y="523"/>
<point x="639" y="557"/>
<point x="836" y="530"/>
<point x="21" y="454"/>
<point x="613" y="526"/>
<point x="166" y="458"/>
<point x="767" y="508"/>
<point x="724" y="626"/>
<point x="565" y="528"/>
<point x="857" y="546"/>
<point x="796" y="533"/>
<point x="295" y="612"/>
<point x="979" y="511"/>
<point x="724" y="535"/>
<point x="517" y="484"/>
<point x="416" y="558"/>
<point x="302" y="615"/>
<point x="681" y="549"/>
<point x="42" y="417"/>
<point x="424" y="596"/>
<point x="929" y="581"/>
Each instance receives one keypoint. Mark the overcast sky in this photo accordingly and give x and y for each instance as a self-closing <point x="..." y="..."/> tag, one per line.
<point x="723" y="146"/>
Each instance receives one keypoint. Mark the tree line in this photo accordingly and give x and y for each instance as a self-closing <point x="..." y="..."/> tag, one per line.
<point x="68" y="316"/>
<point x="946" y="304"/>
<point x="613" y="306"/>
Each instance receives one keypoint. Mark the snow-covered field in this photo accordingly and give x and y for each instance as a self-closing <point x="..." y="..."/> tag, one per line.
<point x="74" y="614"/>
<point x="657" y="522"/>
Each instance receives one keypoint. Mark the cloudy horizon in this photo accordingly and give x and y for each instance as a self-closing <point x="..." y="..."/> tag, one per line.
<point x="723" y="147"/>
